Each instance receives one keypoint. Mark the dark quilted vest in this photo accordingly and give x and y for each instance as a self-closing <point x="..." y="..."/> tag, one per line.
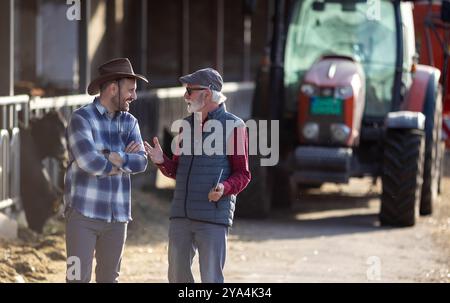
<point x="197" y="174"/>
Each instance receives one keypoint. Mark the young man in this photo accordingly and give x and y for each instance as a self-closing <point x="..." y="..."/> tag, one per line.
<point x="206" y="184"/>
<point x="105" y="147"/>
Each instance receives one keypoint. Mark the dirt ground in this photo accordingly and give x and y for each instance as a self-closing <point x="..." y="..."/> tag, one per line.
<point x="32" y="257"/>
<point x="331" y="235"/>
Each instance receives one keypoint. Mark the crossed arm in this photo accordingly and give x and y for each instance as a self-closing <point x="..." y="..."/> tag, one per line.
<point x="94" y="162"/>
<point x="118" y="160"/>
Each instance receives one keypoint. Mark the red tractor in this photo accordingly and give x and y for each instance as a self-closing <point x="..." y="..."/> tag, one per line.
<point x="344" y="82"/>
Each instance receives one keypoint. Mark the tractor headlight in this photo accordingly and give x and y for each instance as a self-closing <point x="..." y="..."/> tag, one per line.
<point x="340" y="132"/>
<point x="309" y="90"/>
<point x="310" y="131"/>
<point x="343" y="92"/>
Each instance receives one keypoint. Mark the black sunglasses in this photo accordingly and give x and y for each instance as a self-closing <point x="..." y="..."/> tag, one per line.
<point x="190" y="89"/>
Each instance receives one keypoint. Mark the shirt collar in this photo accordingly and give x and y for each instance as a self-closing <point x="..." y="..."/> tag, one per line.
<point x="217" y="112"/>
<point x="101" y="109"/>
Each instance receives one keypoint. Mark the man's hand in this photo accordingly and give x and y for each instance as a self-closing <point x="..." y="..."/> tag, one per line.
<point x="114" y="171"/>
<point x="216" y="193"/>
<point x="155" y="153"/>
<point x="133" y="148"/>
<point x="115" y="159"/>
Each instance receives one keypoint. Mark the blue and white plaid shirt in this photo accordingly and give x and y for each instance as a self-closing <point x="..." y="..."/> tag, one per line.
<point x="88" y="188"/>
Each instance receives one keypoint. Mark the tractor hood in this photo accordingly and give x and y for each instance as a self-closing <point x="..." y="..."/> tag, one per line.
<point x="336" y="71"/>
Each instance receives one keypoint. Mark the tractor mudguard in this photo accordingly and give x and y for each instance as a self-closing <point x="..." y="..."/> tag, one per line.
<point x="405" y="120"/>
<point x="422" y="94"/>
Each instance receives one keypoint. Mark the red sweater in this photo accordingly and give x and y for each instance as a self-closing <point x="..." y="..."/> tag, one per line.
<point x="240" y="173"/>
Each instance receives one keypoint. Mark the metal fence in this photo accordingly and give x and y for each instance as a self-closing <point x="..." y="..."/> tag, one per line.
<point x="10" y="149"/>
<point x="155" y="111"/>
<point x="20" y="109"/>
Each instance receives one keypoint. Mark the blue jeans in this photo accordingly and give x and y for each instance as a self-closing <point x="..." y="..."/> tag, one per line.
<point x="187" y="236"/>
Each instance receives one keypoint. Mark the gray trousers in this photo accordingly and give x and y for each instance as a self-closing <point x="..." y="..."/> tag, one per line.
<point x="185" y="237"/>
<point x="84" y="236"/>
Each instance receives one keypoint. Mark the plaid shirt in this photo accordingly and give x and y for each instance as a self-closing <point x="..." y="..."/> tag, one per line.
<point x="88" y="188"/>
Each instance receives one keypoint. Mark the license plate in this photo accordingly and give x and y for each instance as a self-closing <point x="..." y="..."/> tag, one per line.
<point x="326" y="106"/>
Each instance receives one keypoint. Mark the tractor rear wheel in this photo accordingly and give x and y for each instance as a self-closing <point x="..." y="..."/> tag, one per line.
<point x="310" y="186"/>
<point x="255" y="200"/>
<point x="441" y="164"/>
<point x="283" y="191"/>
<point x="402" y="176"/>
<point x="433" y="159"/>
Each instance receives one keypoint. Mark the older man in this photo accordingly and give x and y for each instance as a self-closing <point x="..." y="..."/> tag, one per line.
<point x="206" y="184"/>
<point x="105" y="147"/>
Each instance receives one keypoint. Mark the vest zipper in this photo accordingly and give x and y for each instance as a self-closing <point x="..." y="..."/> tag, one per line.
<point x="187" y="184"/>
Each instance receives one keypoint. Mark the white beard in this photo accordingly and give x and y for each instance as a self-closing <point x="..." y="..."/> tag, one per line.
<point x="195" y="106"/>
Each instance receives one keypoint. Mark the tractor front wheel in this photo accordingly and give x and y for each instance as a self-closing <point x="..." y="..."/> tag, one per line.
<point x="402" y="176"/>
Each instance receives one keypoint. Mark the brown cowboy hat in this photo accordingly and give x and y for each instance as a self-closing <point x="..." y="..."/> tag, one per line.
<point x="111" y="70"/>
